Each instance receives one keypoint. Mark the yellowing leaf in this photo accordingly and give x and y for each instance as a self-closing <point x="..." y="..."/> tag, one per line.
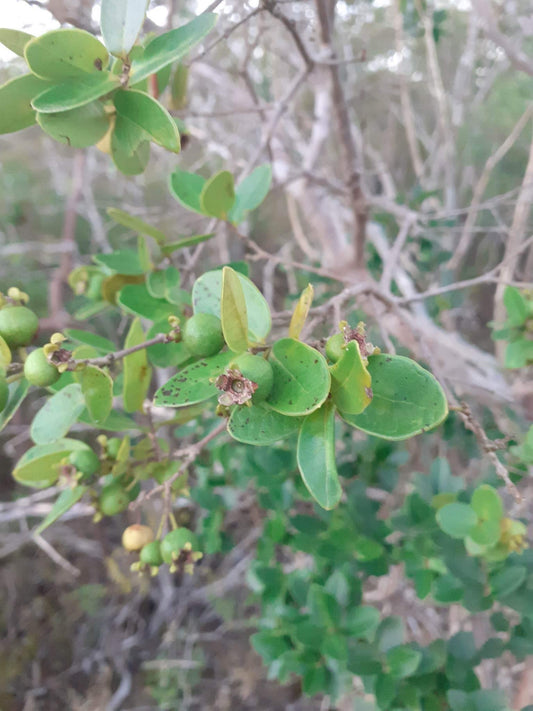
<point x="233" y="312"/>
<point x="301" y="311"/>
<point x="137" y="372"/>
<point x="5" y="353"/>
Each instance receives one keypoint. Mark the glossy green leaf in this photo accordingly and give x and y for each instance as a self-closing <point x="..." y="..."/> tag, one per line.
<point x="136" y="299"/>
<point x="407" y="400"/>
<point x="97" y="388"/>
<point x="194" y="383"/>
<point x="457" y="519"/>
<point x="62" y="504"/>
<point x="166" y="355"/>
<point x="78" y="128"/>
<point x="127" y="136"/>
<point x="121" y="21"/>
<point x="487" y="503"/>
<point x="316" y="456"/>
<point x="251" y="192"/>
<point x="259" y="425"/>
<point x="15" y="98"/>
<point x="515" y="305"/>
<point x="362" y="621"/>
<point x="14" y="40"/>
<point x="65" y="54"/>
<point x="136" y="224"/>
<point x="172" y="247"/>
<point x="233" y="312"/>
<point x="206" y="298"/>
<point x="87" y="338"/>
<point x="137" y="372"/>
<point x="187" y="188"/>
<point x="38" y="467"/>
<point x="218" y="195"/>
<point x="519" y="353"/>
<point x="130" y="164"/>
<point x="115" y="422"/>
<point x="162" y="282"/>
<point x="57" y="415"/>
<point x="301" y="378"/>
<point x="403" y="661"/>
<point x="171" y="46"/>
<point x="75" y="92"/>
<point x="351" y="381"/>
<point x="122" y="261"/>
<point x="17" y="393"/>
<point x="149" y="115"/>
<point x="507" y="580"/>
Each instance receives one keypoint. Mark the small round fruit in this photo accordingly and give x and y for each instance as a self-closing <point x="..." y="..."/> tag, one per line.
<point x="18" y="325"/>
<point x="86" y="461"/>
<point x="202" y="335"/>
<point x="113" y="499"/>
<point x="151" y="554"/>
<point x="4" y="393"/>
<point x="137" y="536"/>
<point x="334" y="347"/>
<point x="38" y="371"/>
<point x="258" y="370"/>
<point x="174" y="542"/>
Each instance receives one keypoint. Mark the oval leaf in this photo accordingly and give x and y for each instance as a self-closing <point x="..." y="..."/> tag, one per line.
<point x="63" y="503"/>
<point x="15" y="98"/>
<point x="207" y="296"/>
<point x="407" y="400"/>
<point x="194" y="383"/>
<point x="121" y="22"/>
<point x="130" y="164"/>
<point x="259" y="425"/>
<point x="170" y="46"/>
<point x="137" y="373"/>
<point x="233" y="312"/>
<point x="301" y="378"/>
<point x="74" y="93"/>
<point x="187" y="188"/>
<point x="97" y="388"/>
<point x="487" y="504"/>
<point x="57" y="415"/>
<point x="251" y="192"/>
<point x="316" y="456"/>
<point x="65" y="54"/>
<point x="17" y="393"/>
<point x="301" y="311"/>
<point x="457" y="519"/>
<point x="148" y="114"/>
<point x="218" y="195"/>
<point x="79" y="128"/>
<point x="135" y="224"/>
<point x="350" y="381"/>
<point x="136" y="299"/>
<point x="38" y="467"/>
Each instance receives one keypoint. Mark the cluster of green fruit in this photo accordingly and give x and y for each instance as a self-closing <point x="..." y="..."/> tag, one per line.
<point x="178" y="549"/>
<point x="203" y="337"/>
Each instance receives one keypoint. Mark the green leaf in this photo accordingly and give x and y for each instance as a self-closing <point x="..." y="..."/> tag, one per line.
<point x="78" y="128"/>
<point x="143" y="254"/>
<point x="123" y="261"/>
<point x="351" y="381"/>
<point x="507" y="580"/>
<point x="218" y="195"/>
<point x="193" y="384"/>
<point x="316" y="456"/>
<point x="516" y="306"/>
<point x="486" y="533"/>
<point x="75" y="92"/>
<point x="121" y="21"/>
<point x="136" y="224"/>
<point x="137" y="372"/>
<point x="15" y="98"/>
<point x="166" y="355"/>
<point x="171" y="46"/>
<point x="486" y="503"/>
<point x="65" y="54"/>
<point x="136" y="299"/>
<point x="187" y="188"/>
<point x="90" y="339"/>
<point x="301" y="311"/>
<point x="519" y="353"/>
<point x="38" y="467"/>
<point x="301" y="378"/>
<point x="260" y="425"/>
<point x="172" y="247"/>
<point x="63" y="503"/>
<point x="17" y="393"/>
<point x="390" y="633"/>
<point x="407" y="400"/>
<point x="251" y="192"/>
<point x="116" y="422"/>
<point x="362" y="621"/>
<point x="97" y="388"/>
<point x="57" y="415"/>
<point x="130" y="164"/>
<point x="403" y="661"/>
<point x="149" y="115"/>
<point x="14" y="40"/>
<point x="233" y="312"/>
<point x="5" y="354"/>
<point x="385" y="691"/>
<point x="163" y="283"/>
<point x="207" y="295"/>
<point x="457" y="520"/>
<point x="178" y="88"/>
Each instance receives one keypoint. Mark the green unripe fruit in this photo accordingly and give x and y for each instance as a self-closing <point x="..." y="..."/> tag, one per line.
<point x="38" y="371"/>
<point x="113" y="499"/>
<point x="151" y="554"/>
<point x="4" y="393"/>
<point x="18" y="325"/>
<point x="174" y="542"/>
<point x="334" y="347"/>
<point x="86" y="461"/>
<point x="202" y="335"/>
<point x="258" y="370"/>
